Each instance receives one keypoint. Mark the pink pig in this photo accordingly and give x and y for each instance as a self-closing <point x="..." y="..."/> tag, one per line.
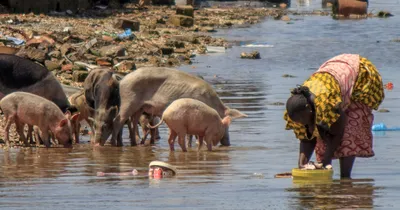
<point x="191" y="116"/>
<point x="25" y="108"/>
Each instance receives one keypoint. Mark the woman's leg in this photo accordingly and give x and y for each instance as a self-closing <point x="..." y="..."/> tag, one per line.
<point x="346" y="165"/>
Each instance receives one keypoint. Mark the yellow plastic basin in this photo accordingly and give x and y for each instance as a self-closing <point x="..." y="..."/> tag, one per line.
<point x="312" y="174"/>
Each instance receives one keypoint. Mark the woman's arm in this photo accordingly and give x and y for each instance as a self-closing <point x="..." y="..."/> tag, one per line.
<point x="306" y="150"/>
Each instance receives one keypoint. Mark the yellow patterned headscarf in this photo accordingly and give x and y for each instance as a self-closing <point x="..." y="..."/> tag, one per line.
<point x="327" y="97"/>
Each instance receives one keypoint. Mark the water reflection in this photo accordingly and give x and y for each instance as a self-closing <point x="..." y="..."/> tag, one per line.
<point x="337" y="194"/>
<point x="29" y="163"/>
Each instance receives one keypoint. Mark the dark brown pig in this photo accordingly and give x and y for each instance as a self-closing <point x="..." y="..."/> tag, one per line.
<point x="25" y="108"/>
<point x="85" y="114"/>
<point x="152" y="89"/>
<point x="190" y="116"/>
<point x="101" y="90"/>
<point x="20" y="74"/>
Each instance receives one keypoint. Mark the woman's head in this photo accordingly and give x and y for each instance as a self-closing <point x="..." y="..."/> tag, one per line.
<point x="298" y="105"/>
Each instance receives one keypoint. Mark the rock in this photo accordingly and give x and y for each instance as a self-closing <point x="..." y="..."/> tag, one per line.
<point x="190" y="39"/>
<point x="186" y="10"/>
<point x="90" y="56"/>
<point x="285" y="18"/>
<point x="383" y="110"/>
<point x="208" y="29"/>
<point x="65" y="49"/>
<point x="67" y="76"/>
<point x="125" y="66"/>
<point x="181" y="51"/>
<point x="384" y="14"/>
<point x="288" y="76"/>
<point x="104" y="61"/>
<point x="107" y="38"/>
<point x="181" y="20"/>
<point x="167" y="50"/>
<point x="39" y="40"/>
<point x="67" y="67"/>
<point x="174" y="43"/>
<point x="112" y="51"/>
<point x="283" y="5"/>
<point x="173" y="61"/>
<point x="252" y="55"/>
<point x="55" y="54"/>
<point x="51" y="65"/>
<point x="123" y="23"/>
<point x="79" y="76"/>
<point x="33" y="54"/>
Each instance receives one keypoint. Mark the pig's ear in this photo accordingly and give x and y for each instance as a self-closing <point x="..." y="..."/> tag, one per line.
<point x="63" y="122"/>
<point x="234" y="113"/>
<point x="75" y="117"/>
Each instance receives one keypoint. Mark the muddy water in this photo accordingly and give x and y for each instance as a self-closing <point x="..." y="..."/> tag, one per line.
<point x="241" y="176"/>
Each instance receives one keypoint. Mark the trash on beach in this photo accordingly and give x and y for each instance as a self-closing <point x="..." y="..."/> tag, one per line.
<point x="383" y="127"/>
<point x="215" y="49"/>
<point x="388" y="86"/>
<point x="15" y="40"/>
<point x="258" y="44"/>
<point x="127" y="34"/>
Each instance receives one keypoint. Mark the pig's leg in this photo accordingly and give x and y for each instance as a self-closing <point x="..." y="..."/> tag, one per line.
<point x="37" y="137"/>
<point x="189" y="140"/>
<point x="20" y="130"/>
<point x="171" y="139"/>
<point x="29" y="135"/>
<point x="77" y="127"/>
<point x="181" y="141"/>
<point x="9" y="121"/>
<point x="200" y="142"/>
<point x="129" y="124"/>
<point x="209" y="138"/>
<point x="145" y="132"/>
<point x="92" y="130"/>
<point x="123" y="115"/>
<point x="45" y="137"/>
<point x="152" y="135"/>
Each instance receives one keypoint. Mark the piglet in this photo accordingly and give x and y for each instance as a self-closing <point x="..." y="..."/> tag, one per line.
<point x="25" y="108"/>
<point x="86" y="114"/>
<point x="190" y="116"/>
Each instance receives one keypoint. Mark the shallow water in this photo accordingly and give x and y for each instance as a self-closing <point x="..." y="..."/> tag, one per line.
<point x="38" y="178"/>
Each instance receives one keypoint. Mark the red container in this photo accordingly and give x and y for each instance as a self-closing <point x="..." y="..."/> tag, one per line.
<point x="348" y="7"/>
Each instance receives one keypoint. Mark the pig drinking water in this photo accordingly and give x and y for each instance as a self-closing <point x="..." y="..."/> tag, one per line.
<point x="25" y="108"/>
<point x="152" y="89"/>
<point x="101" y="90"/>
<point x="190" y="116"/>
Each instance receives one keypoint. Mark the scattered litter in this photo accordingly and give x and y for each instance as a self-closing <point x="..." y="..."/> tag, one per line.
<point x="383" y="127"/>
<point x="127" y="34"/>
<point x="15" y="40"/>
<point x="214" y="49"/>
